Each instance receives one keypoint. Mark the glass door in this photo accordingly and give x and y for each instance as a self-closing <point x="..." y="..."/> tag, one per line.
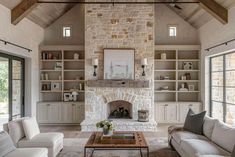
<point x="11" y="88"/>
<point x="4" y="94"/>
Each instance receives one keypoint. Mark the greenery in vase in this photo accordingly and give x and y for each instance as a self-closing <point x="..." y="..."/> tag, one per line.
<point x="105" y="124"/>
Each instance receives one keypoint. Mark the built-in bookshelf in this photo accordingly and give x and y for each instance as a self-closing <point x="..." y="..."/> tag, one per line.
<point x="177" y="73"/>
<point x="62" y="70"/>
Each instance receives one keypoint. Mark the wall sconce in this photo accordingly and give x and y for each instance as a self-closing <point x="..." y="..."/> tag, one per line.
<point x="95" y="63"/>
<point x="144" y="63"/>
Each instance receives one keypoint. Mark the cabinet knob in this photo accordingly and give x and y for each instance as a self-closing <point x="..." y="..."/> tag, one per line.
<point x="190" y="105"/>
<point x="73" y="104"/>
<point x="48" y="104"/>
<point x="166" y="104"/>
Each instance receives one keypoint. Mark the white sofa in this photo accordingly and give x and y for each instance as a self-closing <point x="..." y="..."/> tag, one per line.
<point x="217" y="140"/>
<point x="28" y="152"/>
<point x="52" y="141"/>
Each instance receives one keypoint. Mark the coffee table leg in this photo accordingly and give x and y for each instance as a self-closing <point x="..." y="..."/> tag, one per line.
<point x="92" y="152"/>
<point x="141" y="153"/>
<point x="84" y="152"/>
<point x="147" y="152"/>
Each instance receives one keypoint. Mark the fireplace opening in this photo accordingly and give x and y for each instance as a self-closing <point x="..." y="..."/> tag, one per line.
<point x="119" y="110"/>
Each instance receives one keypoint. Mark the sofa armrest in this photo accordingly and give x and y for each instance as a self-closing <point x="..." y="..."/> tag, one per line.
<point x="171" y="130"/>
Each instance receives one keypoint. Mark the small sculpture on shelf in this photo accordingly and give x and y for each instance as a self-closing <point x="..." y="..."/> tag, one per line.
<point x="188" y="65"/>
<point x="183" y="87"/>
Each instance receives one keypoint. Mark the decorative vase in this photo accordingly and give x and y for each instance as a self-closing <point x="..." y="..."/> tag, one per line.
<point x="107" y="132"/>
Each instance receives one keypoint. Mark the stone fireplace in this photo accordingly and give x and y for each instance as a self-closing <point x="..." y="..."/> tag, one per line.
<point x="119" y="26"/>
<point x="119" y="110"/>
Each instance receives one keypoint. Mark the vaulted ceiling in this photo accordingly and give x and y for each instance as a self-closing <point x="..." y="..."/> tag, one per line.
<point x="45" y="14"/>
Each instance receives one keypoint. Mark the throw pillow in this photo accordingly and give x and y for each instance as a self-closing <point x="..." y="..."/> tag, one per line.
<point x="6" y="144"/>
<point x="16" y="130"/>
<point x="31" y="128"/>
<point x="208" y="126"/>
<point x="224" y="136"/>
<point x="194" y="122"/>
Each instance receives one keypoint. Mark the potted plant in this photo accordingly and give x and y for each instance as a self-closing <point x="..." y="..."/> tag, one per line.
<point x="107" y="127"/>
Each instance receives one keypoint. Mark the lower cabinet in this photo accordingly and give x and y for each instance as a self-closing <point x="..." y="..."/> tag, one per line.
<point x="60" y="112"/>
<point x="174" y="112"/>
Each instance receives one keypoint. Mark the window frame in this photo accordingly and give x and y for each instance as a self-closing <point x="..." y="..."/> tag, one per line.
<point x="64" y="31"/>
<point x="176" y="31"/>
<point x="224" y="70"/>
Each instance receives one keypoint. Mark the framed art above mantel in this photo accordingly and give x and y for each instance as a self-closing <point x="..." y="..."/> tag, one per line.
<point x="119" y="64"/>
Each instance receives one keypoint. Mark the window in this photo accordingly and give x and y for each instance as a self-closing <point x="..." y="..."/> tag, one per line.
<point x="222" y="86"/>
<point x="11" y="88"/>
<point x="66" y="32"/>
<point x="172" y="31"/>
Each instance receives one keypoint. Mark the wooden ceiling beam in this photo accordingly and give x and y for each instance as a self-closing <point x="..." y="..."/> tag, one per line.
<point x="215" y="9"/>
<point x="22" y="10"/>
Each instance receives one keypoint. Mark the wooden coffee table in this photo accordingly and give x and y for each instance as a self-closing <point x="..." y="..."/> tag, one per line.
<point x="96" y="142"/>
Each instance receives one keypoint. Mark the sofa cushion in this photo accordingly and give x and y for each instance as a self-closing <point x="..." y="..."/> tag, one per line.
<point x="42" y="140"/>
<point x="16" y="130"/>
<point x="224" y="136"/>
<point x="208" y="126"/>
<point x="6" y="144"/>
<point x="196" y="147"/>
<point x="194" y="122"/>
<point x="183" y="135"/>
<point x="29" y="152"/>
<point x="31" y="128"/>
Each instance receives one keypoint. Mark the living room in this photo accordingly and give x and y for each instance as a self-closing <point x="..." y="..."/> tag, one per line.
<point x="117" y="78"/>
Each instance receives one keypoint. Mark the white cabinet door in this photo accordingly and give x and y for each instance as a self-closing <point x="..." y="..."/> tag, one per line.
<point x="184" y="107"/>
<point x="48" y="112"/>
<point x="66" y="112"/>
<point x="160" y="114"/>
<point x="171" y="113"/>
<point x="167" y="112"/>
<point x="42" y="113"/>
<point x="78" y="113"/>
<point x="54" y="113"/>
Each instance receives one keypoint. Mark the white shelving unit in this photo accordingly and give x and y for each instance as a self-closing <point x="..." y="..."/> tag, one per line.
<point x="51" y="108"/>
<point x="170" y="102"/>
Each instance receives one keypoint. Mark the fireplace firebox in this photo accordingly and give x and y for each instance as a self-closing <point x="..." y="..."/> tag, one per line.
<point x="119" y="110"/>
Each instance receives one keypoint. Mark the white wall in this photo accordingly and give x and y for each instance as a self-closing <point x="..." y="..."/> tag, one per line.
<point x="164" y="16"/>
<point x="29" y="35"/>
<point x="211" y="34"/>
<point x="75" y="19"/>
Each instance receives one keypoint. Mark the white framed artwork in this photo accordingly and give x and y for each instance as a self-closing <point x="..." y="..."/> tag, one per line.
<point x="119" y="64"/>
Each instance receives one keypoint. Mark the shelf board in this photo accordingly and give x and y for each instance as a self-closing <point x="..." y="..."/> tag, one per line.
<point x="166" y="70"/>
<point x="188" y="70"/>
<point x="49" y="91"/>
<point x="165" y="60"/>
<point x="73" y="60"/>
<point x="67" y="70"/>
<point x="165" y="80"/>
<point x="74" y="80"/>
<point x="51" y="70"/>
<point x="170" y="91"/>
<point x="188" y="60"/>
<point x="188" y="91"/>
<point x="79" y="91"/>
<point x="51" y="80"/>
<point x="188" y="80"/>
<point x="51" y="60"/>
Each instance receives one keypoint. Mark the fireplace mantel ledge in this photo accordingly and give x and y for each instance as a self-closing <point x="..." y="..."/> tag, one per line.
<point x="119" y="83"/>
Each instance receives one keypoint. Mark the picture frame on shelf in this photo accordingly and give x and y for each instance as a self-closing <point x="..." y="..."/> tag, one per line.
<point x="191" y="87"/>
<point x="66" y="97"/>
<point x="187" y="65"/>
<point x="55" y="86"/>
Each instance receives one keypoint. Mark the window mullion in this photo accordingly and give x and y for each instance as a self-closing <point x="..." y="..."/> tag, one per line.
<point x="224" y="88"/>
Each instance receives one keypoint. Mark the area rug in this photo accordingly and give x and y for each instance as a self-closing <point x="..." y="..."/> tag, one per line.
<point x="74" y="147"/>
